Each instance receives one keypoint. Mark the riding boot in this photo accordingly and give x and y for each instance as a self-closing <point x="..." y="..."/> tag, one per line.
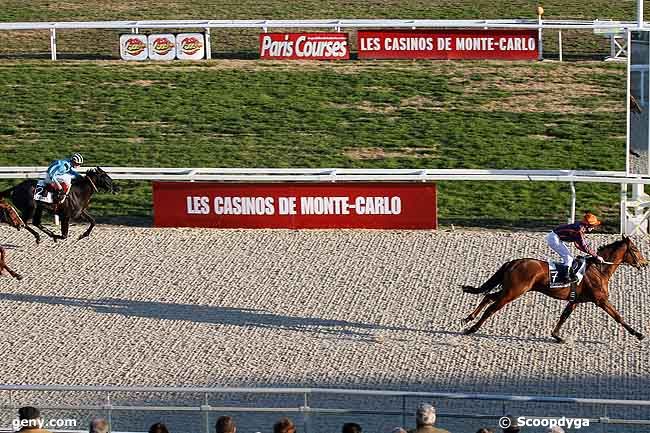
<point x="572" y="275"/>
<point x="563" y="273"/>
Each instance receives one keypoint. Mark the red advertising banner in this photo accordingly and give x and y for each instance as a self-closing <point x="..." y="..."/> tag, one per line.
<point x="304" y="46"/>
<point x="295" y="206"/>
<point x="448" y="44"/>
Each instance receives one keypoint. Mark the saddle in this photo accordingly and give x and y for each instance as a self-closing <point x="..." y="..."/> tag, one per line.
<point x="560" y="275"/>
<point x="46" y="193"/>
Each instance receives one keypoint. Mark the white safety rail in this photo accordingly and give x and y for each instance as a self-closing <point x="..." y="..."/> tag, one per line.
<point x="330" y="24"/>
<point x="107" y="407"/>
<point x="336" y="24"/>
<point x="370" y="175"/>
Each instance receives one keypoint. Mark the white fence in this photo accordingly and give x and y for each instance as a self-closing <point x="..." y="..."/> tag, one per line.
<point x="106" y="407"/>
<point x="333" y="24"/>
<point x="633" y="211"/>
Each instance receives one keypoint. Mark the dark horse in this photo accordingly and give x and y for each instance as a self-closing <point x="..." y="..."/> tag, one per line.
<point x="519" y="276"/>
<point x="74" y="207"/>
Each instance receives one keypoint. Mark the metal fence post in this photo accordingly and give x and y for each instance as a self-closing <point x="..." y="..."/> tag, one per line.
<point x="559" y="39"/>
<point x="206" y="416"/>
<point x="404" y="411"/>
<point x="305" y="413"/>
<point x="53" y="43"/>
<point x="573" y="203"/>
<point x="109" y="414"/>
<point x="208" y="44"/>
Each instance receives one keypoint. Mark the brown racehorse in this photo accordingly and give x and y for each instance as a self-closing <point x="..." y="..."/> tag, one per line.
<point x="519" y="276"/>
<point x="3" y="266"/>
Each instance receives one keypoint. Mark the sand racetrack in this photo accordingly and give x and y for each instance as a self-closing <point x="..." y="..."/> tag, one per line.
<point x="356" y="309"/>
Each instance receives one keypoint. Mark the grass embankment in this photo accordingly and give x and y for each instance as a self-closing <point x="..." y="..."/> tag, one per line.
<point x="356" y="114"/>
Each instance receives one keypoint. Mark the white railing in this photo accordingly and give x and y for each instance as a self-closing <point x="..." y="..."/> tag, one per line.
<point x="364" y="175"/>
<point x="107" y="407"/>
<point x="333" y="24"/>
<point x="341" y="175"/>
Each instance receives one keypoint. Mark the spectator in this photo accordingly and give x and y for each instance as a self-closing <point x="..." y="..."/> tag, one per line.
<point x="284" y="425"/>
<point x="225" y="424"/>
<point x="98" y="425"/>
<point x="555" y="429"/>
<point x="158" y="428"/>
<point x="30" y="420"/>
<point x="351" y="427"/>
<point x="485" y="430"/>
<point x="425" y="418"/>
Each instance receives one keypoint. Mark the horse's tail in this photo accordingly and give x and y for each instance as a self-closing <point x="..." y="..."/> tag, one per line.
<point x="494" y="281"/>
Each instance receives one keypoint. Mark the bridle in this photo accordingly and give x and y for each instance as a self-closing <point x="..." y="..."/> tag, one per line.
<point x="628" y="251"/>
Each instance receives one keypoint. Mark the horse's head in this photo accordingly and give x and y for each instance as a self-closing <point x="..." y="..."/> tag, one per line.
<point x="632" y="254"/>
<point x="102" y="180"/>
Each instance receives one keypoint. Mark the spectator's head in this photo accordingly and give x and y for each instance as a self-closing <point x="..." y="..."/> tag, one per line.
<point x="225" y="424"/>
<point x="351" y="427"/>
<point x="158" y="428"/>
<point x="485" y="430"/>
<point x="555" y="429"/>
<point x="28" y="412"/>
<point x="284" y="425"/>
<point x="98" y="425"/>
<point x="425" y="415"/>
<point x="513" y="425"/>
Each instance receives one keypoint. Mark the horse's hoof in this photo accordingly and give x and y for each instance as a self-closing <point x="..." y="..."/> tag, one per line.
<point x="558" y="339"/>
<point x="19" y="277"/>
<point x="466" y="320"/>
<point x="469" y="331"/>
<point x="640" y="336"/>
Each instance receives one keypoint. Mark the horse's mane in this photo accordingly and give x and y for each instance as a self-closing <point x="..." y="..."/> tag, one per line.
<point x="90" y="171"/>
<point x="613" y="246"/>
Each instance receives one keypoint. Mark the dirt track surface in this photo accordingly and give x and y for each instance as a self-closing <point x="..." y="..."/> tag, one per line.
<point x="356" y="309"/>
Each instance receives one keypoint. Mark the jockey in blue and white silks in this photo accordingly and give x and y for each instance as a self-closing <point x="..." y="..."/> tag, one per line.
<point x="60" y="174"/>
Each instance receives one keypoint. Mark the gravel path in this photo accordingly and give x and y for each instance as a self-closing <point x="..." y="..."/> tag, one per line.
<point x="356" y="309"/>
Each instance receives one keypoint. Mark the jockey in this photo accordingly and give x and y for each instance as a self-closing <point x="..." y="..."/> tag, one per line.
<point x="574" y="233"/>
<point x="61" y="172"/>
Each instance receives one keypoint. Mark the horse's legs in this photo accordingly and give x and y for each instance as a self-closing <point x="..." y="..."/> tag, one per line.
<point x="609" y="308"/>
<point x="65" y="227"/>
<point x="16" y="275"/>
<point x="38" y="216"/>
<point x="85" y="215"/>
<point x="504" y="298"/>
<point x="563" y="318"/>
<point x="27" y="215"/>
<point x="34" y="233"/>
<point x="3" y="265"/>
<point x="491" y="297"/>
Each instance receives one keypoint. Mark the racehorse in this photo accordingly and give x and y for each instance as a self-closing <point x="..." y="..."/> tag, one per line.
<point x="519" y="276"/>
<point x="75" y="205"/>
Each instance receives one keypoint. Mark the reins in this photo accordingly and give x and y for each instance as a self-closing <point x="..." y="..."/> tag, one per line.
<point x="92" y="183"/>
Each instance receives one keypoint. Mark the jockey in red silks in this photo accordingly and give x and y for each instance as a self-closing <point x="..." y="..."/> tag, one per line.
<point x="573" y="233"/>
<point x="60" y="174"/>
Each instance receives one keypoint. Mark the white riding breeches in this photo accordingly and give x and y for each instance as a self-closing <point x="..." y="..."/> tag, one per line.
<point x="64" y="178"/>
<point x="560" y="247"/>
